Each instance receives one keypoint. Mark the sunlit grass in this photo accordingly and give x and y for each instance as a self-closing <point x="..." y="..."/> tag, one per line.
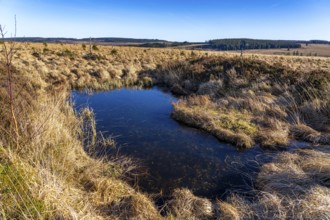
<point x="257" y="99"/>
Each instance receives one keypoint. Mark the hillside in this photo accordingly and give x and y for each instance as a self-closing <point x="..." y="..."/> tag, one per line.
<point x="101" y="40"/>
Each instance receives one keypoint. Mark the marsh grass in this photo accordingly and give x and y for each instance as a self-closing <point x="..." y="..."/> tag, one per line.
<point x="184" y="205"/>
<point x="261" y="105"/>
<point x="293" y="186"/>
<point x="65" y="181"/>
<point x="51" y="176"/>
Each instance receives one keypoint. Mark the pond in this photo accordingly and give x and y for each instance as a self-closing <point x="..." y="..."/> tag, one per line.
<point x="174" y="155"/>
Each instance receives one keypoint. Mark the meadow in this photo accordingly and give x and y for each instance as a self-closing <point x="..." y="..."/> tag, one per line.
<point x="48" y="169"/>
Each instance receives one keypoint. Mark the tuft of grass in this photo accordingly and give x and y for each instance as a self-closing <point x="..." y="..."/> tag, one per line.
<point x="294" y="186"/>
<point x="306" y="133"/>
<point x="184" y="205"/>
<point x="132" y="207"/>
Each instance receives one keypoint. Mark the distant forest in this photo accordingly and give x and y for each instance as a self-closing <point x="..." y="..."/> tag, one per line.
<point x="246" y="44"/>
<point x="249" y="44"/>
<point x="75" y="40"/>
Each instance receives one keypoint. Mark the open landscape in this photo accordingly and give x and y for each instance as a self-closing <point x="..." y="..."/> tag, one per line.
<point x="128" y="128"/>
<point x="321" y="50"/>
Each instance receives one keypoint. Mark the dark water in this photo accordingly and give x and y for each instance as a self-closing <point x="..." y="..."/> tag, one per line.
<point x="175" y="155"/>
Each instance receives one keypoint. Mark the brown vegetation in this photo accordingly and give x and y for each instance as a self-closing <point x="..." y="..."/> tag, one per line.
<point x="48" y="175"/>
<point x="294" y="186"/>
<point x="247" y="101"/>
<point x="184" y="205"/>
<point x="256" y="100"/>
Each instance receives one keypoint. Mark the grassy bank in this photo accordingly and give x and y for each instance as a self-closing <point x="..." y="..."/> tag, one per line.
<point x="46" y="172"/>
<point x="249" y="101"/>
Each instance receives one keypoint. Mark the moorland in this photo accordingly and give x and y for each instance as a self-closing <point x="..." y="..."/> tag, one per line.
<point x="48" y="169"/>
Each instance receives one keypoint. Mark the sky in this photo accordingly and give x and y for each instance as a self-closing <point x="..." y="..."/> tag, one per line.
<point x="174" y="20"/>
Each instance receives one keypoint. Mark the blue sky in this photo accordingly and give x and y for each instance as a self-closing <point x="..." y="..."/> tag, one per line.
<point x="191" y="20"/>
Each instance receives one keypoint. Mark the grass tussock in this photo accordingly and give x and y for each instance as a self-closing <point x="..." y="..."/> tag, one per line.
<point x="184" y="205"/>
<point x="294" y="186"/>
<point x="68" y="182"/>
<point x="306" y="133"/>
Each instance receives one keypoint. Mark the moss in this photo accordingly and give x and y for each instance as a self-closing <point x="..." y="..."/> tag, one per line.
<point x="231" y="126"/>
<point x="147" y="81"/>
<point x="234" y="121"/>
<point x="210" y="121"/>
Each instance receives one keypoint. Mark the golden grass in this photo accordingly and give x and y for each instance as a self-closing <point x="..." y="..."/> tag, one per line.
<point x="306" y="133"/>
<point x="72" y="66"/>
<point x="50" y="176"/>
<point x="185" y="205"/>
<point x="251" y="101"/>
<point x="63" y="174"/>
<point x="295" y="186"/>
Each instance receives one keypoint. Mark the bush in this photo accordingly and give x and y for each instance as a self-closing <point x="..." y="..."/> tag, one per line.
<point x="36" y="54"/>
<point x="95" y="47"/>
<point x="45" y="50"/>
<point x="114" y="52"/>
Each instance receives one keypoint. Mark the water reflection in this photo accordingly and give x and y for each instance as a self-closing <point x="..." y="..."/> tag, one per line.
<point x="175" y="155"/>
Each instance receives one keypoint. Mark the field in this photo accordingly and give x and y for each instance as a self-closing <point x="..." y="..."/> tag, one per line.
<point x="314" y="50"/>
<point x="48" y="169"/>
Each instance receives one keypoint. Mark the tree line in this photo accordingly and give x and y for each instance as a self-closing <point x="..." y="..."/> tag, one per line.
<point x="238" y="44"/>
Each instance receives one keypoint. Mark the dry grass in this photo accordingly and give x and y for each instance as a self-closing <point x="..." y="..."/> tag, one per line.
<point x="72" y="66"/>
<point x="250" y="101"/>
<point x="49" y="175"/>
<point x="65" y="181"/>
<point x="294" y="186"/>
<point x="306" y="133"/>
<point x="184" y="205"/>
